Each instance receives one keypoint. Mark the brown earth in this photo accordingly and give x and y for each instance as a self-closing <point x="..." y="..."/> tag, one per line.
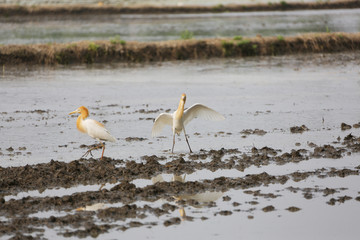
<point x="56" y="174"/>
<point x="139" y="52"/>
<point x="7" y="10"/>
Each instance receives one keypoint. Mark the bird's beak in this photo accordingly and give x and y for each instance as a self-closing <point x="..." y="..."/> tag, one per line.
<point x="76" y="111"/>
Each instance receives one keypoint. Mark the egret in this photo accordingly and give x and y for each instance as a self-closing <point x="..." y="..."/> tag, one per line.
<point x="93" y="128"/>
<point x="180" y="118"/>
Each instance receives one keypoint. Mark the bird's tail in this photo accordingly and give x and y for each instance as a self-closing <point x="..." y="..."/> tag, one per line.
<point x="111" y="139"/>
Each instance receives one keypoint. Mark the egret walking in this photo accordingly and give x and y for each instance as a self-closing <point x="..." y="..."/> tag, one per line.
<point x="93" y="128"/>
<point x="180" y="118"/>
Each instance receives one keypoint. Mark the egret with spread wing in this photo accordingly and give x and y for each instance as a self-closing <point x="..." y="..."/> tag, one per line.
<point x="180" y="118"/>
<point x="92" y="128"/>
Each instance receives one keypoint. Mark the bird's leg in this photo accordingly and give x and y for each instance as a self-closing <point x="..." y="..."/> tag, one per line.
<point x="187" y="141"/>
<point x="89" y="151"/>
<point x="172" y="150"/>
<point x="102" y="185"/>
<point x="103" y="147"/>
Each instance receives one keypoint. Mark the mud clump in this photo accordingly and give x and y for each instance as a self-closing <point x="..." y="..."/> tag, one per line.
<point x="342" y="199"/>
<point x="328" y="191"/>
<point x="226" y="198"/>
<point x="255" y="132"/>
<point x="130" y="139"/>
<point x="269" y="208"/>
<point x="172" y="221"/>
<point x="300" y="129"/>
<point x="293" y="209"/>
<point x="224" y="213"/>
<point x="345" y="126"/>
<point x="327" y="151"/>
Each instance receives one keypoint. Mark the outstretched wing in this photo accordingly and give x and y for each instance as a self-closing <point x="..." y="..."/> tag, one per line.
<point x="201" y="111"/>
<point x="160" y="122"/>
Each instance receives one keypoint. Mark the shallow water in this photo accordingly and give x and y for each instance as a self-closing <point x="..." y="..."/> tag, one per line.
<point x="161" y="27"/>
<point x="272" y="94"/>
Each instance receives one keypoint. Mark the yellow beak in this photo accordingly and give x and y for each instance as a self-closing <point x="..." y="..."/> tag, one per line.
<point x="73" y="112"/>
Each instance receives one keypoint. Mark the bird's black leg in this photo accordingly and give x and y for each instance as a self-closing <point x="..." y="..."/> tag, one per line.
<point x="187" y="140"/>
<point x="172" y="150"/>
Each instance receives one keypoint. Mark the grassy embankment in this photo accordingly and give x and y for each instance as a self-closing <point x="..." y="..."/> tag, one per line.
<point x="15" y="10"/>
<point x="135" y="52"/>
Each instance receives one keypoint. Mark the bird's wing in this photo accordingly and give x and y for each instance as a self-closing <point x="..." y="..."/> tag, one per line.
<point x="201" y="111"/>
<point x="97" y="130"/>
<point x="160" y="122"/>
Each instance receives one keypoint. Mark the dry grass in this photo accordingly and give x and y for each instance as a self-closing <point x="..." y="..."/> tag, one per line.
<point x="134" y="52"/>
<point x="16" y="10"/>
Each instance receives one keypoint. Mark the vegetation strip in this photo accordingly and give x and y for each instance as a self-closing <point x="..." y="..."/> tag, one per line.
<point x="15" y="10"/>
<point x="138" y="52"/>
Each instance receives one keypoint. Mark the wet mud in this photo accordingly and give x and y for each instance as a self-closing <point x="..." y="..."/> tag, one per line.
<point x="299" y="129"/>
<point x="120" y="208"/>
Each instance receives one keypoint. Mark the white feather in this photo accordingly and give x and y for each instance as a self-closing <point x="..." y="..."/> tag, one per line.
<point x="160" y="122"/>
<point x="96" y="131"/>
<point x="201" y="111"/>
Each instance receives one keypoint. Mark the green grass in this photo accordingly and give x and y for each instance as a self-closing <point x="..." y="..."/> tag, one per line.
<point x="93" y="47"/>
<point x="219" y="8"/>
<point x="117" y="40"/>
<point x="228" y="48"/>
<point x="186" y="35"/>
<point x="237" y="38"/>
<point x="243" y="42"/>
<point x="280" y="38"/>
<point x="283" y="4"/>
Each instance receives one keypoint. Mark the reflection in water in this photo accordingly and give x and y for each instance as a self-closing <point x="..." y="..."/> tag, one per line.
<point x="94" y="207"/>
<point x="199" y="198"/>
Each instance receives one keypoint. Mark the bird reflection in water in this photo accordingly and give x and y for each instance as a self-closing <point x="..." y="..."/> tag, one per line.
<point x="201" y="199"/>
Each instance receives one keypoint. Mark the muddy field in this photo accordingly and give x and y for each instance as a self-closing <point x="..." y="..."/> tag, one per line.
<point x="284" y="163"/>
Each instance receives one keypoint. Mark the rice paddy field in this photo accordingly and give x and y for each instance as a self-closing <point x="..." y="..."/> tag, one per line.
<point x="283" y="164"/>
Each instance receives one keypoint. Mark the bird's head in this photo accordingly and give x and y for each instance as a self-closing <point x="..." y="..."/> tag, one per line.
<point x="81" y="110"/>
<point x="183" y="97"/>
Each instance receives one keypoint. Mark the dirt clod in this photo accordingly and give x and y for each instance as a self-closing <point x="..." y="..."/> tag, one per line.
<point x="300" y="129"/>
<point x="345" y="126"/>
<point x="293" y="209"/>
<point x="269" y="208"/>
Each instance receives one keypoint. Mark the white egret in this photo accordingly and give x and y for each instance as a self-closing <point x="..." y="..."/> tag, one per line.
<point x="180" y="118"/>
<point x="93" y="128"/>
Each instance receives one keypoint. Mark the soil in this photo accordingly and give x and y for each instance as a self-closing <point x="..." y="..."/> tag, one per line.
<point x="126" y="195"/>
<point x="297" y="129"/>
